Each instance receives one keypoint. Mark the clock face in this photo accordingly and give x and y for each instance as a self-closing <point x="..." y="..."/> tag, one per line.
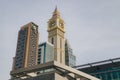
<point x="52" y="24"/>
<point x="61" y="25"/>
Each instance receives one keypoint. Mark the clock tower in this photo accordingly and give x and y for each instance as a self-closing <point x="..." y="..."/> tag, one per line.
<point x="56" y="36"/>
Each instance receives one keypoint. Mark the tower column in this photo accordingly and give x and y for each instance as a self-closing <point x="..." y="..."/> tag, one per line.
<point x="56" y="36"/>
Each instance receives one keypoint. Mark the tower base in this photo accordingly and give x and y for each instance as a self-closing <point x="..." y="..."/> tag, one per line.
<point x="49" y="76"/>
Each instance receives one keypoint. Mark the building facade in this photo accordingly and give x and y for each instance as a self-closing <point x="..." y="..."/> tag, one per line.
<point x="45" y="52"/>
<point x="48" y="61"/>
<point x="56" y="36"/>
<point x="70" y="58"/>
<point x="27" y="46"/>
<point x="104" y="70"/>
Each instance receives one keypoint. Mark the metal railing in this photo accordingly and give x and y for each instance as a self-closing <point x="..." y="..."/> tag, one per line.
<point x="98" y="63"/>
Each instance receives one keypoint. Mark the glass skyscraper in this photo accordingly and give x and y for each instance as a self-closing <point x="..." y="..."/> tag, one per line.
<point x="70" y="58"/>
<point x="45" y="52"/>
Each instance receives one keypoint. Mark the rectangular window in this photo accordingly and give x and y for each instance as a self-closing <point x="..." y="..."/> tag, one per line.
<point x="114" y="75"/>
<point x="60" y="42"/>
<point x="39" y="55"/>
<point x="109" y="77"/>
<point x="60" y="57"/>
<point x="38" y="62"/>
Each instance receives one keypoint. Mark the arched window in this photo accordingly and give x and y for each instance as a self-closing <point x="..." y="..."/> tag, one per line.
<point x="60" y="42"/>
<point x="60" y="56"/>
<point x="61" y="50"/>
<point x="52" y="40"/>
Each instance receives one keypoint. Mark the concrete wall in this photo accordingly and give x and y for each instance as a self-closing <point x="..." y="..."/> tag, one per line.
<point x="43" y="77"/>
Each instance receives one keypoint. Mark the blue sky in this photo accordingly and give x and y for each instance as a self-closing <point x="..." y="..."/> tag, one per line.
<point x="92" y="27"/>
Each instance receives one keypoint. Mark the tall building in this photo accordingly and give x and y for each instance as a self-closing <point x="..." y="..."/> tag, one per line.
<point x="56" y="36"/>
<point x="45" y="52"/>
<point x="49" y="57"/>
<point x="104" y="70"/>
<point x="27" y="46"/>
<point x="70" y="58"/>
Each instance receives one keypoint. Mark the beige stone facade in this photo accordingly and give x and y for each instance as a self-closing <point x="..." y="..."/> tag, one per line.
<point x="56" y="36"/>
